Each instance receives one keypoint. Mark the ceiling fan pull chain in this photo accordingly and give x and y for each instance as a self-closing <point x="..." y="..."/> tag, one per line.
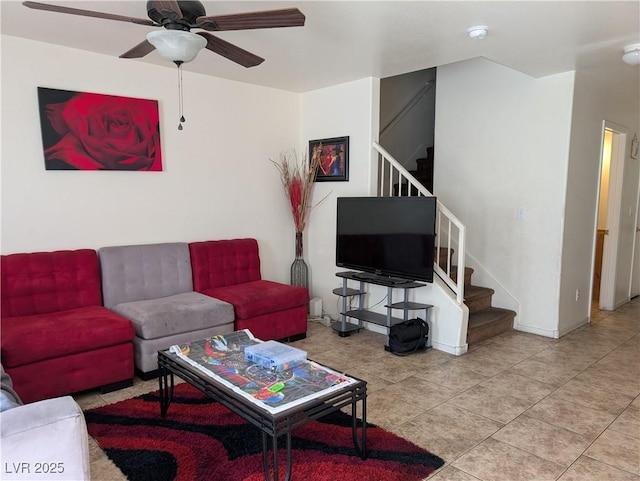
<point x="180" y="95"/>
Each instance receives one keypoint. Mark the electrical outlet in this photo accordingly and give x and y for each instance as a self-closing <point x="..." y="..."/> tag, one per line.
<point x="577" y="294"/>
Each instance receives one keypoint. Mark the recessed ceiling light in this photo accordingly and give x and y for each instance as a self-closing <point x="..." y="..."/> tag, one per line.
<point x="478" y="32"/>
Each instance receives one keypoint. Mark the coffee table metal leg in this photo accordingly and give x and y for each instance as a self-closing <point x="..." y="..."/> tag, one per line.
<point x="360" y="443"/>
<point x="166" y="382"/>
<point x="287" y="476"/>
<point x="265" y="457"/>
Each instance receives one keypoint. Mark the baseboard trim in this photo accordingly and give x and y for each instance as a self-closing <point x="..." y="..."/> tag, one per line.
<point x="538" y="331"/>
<point x="455" y="350"/>
<point x="571" y="327"/>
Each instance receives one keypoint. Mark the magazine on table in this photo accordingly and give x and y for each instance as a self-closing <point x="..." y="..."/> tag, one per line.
<point x="222" y="357"/>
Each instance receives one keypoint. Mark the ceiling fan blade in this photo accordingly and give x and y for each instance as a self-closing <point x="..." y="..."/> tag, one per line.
<point x="88" y="13"/>
<point x="169" y="8"/>
<point x="288" y="17"/>
<point x="139" y="51"/>
<point x="230" y="51"/>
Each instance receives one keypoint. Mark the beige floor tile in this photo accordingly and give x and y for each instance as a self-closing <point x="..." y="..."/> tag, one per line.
<point x="518" y="386"/>
<point x="449" y="473"/>
<point x="491" y="404"/>
<point x="605" y="331"/>
<point x="451" y="375"/>
<point x="582" y="393"/>
<point x="523" y="341"/>
<point x="394" y="370"/>
<point x="583" y="420"/>
<point x="431" y="357"/>
<point x="482" y="363"/>
<point x="567" y="360"/>
<point x="591" y="347"/>
<point x="387" y="412"/>
<point x="422" y="394"/>
<point x="617" y="449"/>
<point x="504" y="352"/>
<point x="546" y="372"/>
<point x="374" y="383"/>
<point x="447" y="430"/>
<point x="587" y="469"/>
<point x="611" y="380"/>
<point x="89" y="400"/>
<point x="496" y="461"/>
<point x="337" y="358"/>
<point x="628" y="422"/>
<point x="620" y="362"/>
<point x="544" y="440"/>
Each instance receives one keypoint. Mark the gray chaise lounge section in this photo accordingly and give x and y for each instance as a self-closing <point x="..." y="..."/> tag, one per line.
<point x="152" y="285"/>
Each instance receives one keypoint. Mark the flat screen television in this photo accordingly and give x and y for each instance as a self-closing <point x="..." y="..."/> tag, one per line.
<point x="387" y="237"/>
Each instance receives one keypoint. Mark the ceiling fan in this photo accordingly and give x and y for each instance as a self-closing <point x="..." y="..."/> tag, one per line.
<point x="179" y="17"/>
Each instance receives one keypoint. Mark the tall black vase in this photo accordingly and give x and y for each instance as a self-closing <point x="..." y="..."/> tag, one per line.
<point x="299" y="269"/>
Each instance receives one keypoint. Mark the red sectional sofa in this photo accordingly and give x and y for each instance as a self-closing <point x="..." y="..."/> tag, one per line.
<point x="229" y="270"/>
<point x="57" y="338"/>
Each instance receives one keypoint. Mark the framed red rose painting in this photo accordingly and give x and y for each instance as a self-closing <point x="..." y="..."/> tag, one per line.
<point x="87" y="131"/>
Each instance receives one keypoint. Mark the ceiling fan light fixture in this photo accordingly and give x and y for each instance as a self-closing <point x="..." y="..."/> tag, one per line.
<point x="632" y="54"/>
<point x="176" y="45"/>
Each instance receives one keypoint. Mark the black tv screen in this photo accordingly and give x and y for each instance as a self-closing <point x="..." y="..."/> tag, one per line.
<point x="387" y="236"/>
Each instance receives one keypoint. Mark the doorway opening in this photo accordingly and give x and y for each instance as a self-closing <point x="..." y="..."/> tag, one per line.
<point x="608" y="218"/>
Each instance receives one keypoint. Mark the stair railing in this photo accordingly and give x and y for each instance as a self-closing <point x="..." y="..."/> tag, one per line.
<point x="450" y="231"/>
<point x="407" y="107"/>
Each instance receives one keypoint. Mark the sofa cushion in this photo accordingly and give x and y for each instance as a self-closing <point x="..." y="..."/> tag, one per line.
<point x="8" y="397"/>
<point x="28" y="339"/>
<point x="147" y="271"/>
<point x="260" y="297"/>
<point x="189" y="311"/>
<point x="224" y="263"/>
<point x="42" y="282"/>
<point x="50" y="433"/>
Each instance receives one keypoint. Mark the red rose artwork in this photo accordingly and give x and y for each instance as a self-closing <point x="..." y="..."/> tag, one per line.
<point x="86" y="131"/>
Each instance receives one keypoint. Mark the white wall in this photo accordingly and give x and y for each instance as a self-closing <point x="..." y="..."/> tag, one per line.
<point x="217" y="181"/>
<point x="343" y="110"/>
<point x="596" y="101"/>
<point x="501" y="144"/>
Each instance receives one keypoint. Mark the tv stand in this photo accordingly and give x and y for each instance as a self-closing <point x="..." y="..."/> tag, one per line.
<point x="361" y="314"/>
<point x="380" y="280"/>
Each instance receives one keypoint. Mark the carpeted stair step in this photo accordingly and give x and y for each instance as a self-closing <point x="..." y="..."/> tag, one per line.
<point x="489" y="322"/>
<point x="477" y="298"/>
<point x="468" y="272"/>
<point x="443" y="255"/>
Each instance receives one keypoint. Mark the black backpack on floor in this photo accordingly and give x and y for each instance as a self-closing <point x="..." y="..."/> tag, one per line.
<point x="408" y="337"/>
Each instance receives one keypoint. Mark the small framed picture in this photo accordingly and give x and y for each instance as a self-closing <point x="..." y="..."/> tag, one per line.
<point x="333" y="165"/>
<point x="634" y="147"/>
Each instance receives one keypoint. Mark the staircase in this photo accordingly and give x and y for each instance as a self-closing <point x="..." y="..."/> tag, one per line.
<point x="423" y="174"/>
<point x="485" y="321"/>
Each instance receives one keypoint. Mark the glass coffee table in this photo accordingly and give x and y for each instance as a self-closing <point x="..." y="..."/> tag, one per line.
<point x="275" y="402"/>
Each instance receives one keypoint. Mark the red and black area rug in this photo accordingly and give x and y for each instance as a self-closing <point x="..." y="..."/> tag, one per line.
<point x="202" y="440"/>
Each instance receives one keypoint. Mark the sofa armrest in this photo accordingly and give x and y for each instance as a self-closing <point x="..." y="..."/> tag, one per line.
<point x="44" y="440"/>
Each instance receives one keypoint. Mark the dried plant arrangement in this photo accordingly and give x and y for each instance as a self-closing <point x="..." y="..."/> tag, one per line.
<point x="298" y="179"/>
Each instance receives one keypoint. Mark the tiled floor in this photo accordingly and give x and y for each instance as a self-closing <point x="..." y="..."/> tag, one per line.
<point x="517" y="407"/>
